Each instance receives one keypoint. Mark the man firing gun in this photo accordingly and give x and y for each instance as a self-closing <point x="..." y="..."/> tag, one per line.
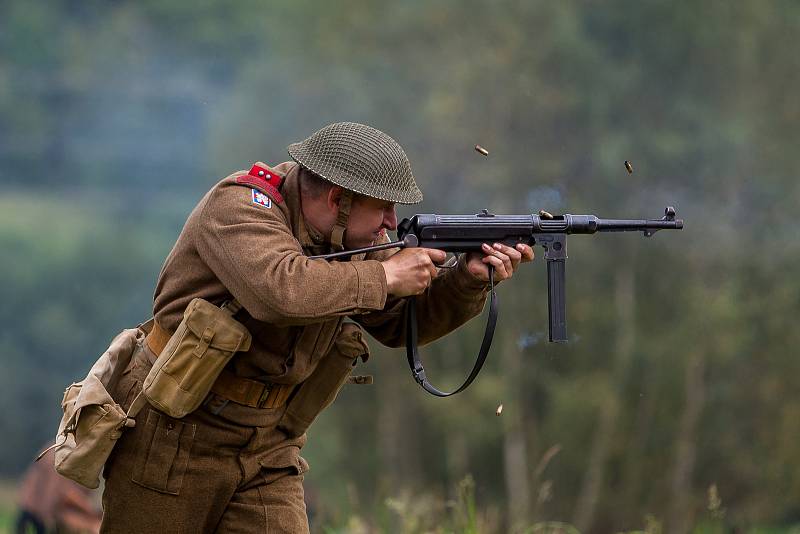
<point x="233" y="463"/>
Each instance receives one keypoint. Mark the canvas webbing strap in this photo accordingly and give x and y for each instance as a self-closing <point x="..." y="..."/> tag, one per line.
<point x="337" y="234"/>
<point x="253" y="393"/>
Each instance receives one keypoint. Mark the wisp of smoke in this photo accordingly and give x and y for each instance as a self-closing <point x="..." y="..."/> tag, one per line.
<point x="544" y="197"/>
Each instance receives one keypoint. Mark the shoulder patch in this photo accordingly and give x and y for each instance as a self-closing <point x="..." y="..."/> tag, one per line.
<point x="261" y="199"/>
<point x="264" y="179"/>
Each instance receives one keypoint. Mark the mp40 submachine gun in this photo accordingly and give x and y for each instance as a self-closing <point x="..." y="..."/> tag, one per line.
<point x="466" y="233"/>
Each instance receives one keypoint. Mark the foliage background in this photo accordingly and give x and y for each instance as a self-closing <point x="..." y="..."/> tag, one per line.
<point x="678" y="384"/>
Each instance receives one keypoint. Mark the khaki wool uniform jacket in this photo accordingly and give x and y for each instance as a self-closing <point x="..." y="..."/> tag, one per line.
<point x="233" y="247"/>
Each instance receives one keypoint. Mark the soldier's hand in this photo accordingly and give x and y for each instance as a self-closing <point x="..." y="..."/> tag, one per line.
<point x="410" y="271"/>
<point x="503" y="258"/>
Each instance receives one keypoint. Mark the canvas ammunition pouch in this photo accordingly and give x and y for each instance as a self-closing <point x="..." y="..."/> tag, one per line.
<point x="194" y="356"/>
<point x="320" y="388"/>
<point x="92" y="421"/>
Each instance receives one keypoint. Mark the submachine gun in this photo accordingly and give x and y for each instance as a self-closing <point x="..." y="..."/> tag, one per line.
<point x="466" y="233"/>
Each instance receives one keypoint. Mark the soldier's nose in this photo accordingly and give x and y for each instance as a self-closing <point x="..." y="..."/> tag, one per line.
<point x="390" y="219"/>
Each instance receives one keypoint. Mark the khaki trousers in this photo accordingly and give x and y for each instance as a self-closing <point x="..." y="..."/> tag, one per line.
<point x="226" y="472"/>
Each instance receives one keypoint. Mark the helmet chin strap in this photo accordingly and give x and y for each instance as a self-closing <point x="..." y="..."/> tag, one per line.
<point x="337" y="233"/>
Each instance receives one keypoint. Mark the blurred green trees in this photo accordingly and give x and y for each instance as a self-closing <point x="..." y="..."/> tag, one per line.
<point x="116" y="117"/>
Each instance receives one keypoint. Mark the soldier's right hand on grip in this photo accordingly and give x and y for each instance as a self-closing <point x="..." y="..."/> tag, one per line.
<point x="410" y="271"/>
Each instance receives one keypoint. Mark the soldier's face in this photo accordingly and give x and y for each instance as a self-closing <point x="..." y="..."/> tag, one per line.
<point x="369" y="219"/>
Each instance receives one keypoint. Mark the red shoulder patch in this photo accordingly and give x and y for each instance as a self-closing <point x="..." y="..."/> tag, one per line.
<point x="265" y="179"/>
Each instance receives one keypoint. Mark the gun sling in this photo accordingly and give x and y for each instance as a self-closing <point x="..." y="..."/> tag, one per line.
<point x="412" y="352"/>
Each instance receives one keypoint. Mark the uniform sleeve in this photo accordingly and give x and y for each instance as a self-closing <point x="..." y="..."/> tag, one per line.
<point x="252" y="251"/>
<point x="455" y="297"/>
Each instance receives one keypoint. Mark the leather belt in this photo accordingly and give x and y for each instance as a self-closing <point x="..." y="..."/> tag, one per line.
<point x="228" y="385"/>
<point x="156" y="338"/>
<point x="253" y="393"/>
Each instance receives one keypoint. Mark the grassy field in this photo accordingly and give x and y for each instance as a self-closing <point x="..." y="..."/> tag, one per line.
<point x="8" y="506"/>
<point x="6" y="518"/>
<point x="465" y="518"/>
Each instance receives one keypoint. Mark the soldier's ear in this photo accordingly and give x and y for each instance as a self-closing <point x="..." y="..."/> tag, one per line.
<point x="333" y="198"/>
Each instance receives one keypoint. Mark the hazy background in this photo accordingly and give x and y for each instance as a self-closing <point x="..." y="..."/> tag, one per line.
<point x="674" y="406"/>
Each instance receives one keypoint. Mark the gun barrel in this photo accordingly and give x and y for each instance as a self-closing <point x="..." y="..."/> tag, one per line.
<point x="633" y="225"/>
<point x="488" y="227"/>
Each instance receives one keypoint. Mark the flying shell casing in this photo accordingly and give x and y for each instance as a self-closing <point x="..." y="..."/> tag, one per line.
<point x="628" y="167"/>
<point x="481" y="150"/>
<point x="545" y="215"/>
<point x="499" y="410"/>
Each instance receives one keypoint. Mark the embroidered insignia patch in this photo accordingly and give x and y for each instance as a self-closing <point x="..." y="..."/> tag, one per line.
<point x="261" y="199"/>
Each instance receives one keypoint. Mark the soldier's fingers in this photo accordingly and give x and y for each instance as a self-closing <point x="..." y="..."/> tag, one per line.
<point x="423" y="258"/>
<point x="513" y="254"/>
<point x="502" y="257"/>
<point x="427" y="263"/>
<point x="434" y="272"/>
<point x="526" y="251"/>
<point x="436" y="256"/>
<point x="499" y="267"/>
<point x="424" y="288"/>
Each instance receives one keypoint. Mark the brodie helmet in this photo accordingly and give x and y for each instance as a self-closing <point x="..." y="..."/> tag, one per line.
<point x="361" y="160"/>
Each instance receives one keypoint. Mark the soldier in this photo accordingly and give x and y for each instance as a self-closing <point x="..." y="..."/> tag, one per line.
<point x="234" y="464"/>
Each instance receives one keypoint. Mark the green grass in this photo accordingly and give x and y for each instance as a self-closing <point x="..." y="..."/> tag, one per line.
<point x="6" y="519"/>
<point x="8" y="505"/>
